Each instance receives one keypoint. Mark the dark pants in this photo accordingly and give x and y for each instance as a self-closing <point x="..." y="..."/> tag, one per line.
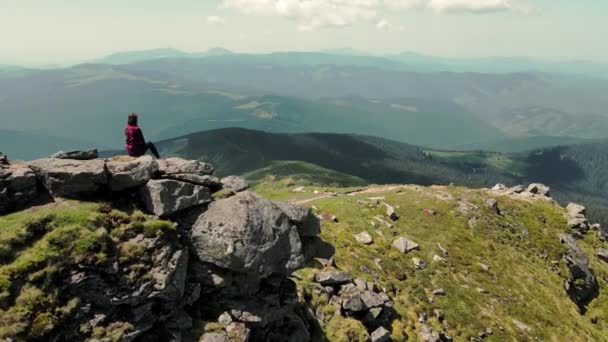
<point x="141" y="150"/>
<point x="150" y="147"/>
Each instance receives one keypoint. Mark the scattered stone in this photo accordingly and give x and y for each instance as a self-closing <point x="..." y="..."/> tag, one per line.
<point x="364" y="238"/>
<point x="76" y="155"/>
<point x="518" y="189"/>
<point x="372" y="300"/>
<point x="298" y="189"/>
<point x="437" y="258"/>
<point x="131" y="173"/>
<point x="602" y="254"/>
<point x="430" y="212"/>
<point x="539" y="190"/>
<point x="215" y="337"/>
<point x="361" y="284"/>
<point x="484" y="267"/>
<point x="419" y="264"/>
<point x="422" y="317"/>
<point x="381" y="335"/>
<point x="234" y="183"/>
<point x="381" y="220"/>
<point x="332" y="278"/>
<point x="522" y="326"/>
<point x="324" y="263"/>
<point x="390" y="212"/>
<point x="353" y="303"/>
<point x="405" y="245"/>
<point x="472" y="223"/>
<point x="439" y="315"/>
<point x="3" y="160"/>
<point x="493" y="205"/>
<point x="596" y="227"/>
<point x="166" y="197"/>
<point x="439" y="292"/>
<point x="482" y="290"/>
<point x="443" y="250"/>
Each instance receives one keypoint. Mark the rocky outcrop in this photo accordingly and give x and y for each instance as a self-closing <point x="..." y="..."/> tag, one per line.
<point x="234" y="183"/>
<point x="177" y="166"/>
<point x="165" y="197"/>
<point x="534" y="190"/>
<point x="3" y="160"/>
<point x="76" y="155"/>
<point x="582" y="285"/>
<point x="17" y="187"/>
<point x="70" y="178"/>
<point x="130" y="172"/>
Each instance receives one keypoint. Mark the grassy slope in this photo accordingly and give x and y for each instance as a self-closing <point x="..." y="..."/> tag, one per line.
<point x="522" y="283"/>
<point x="39" y="247"/>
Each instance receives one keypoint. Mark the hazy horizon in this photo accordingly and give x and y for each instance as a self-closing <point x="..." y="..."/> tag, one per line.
<point x="59" y="32"/>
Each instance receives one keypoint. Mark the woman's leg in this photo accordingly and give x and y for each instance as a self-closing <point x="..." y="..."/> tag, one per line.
<point x="153" y="149"/>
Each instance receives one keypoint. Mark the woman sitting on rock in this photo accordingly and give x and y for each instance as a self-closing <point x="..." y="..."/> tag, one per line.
<point x="136" y="144"/>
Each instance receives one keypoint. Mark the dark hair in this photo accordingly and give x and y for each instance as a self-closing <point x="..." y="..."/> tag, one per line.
<point x="132" y="119"/>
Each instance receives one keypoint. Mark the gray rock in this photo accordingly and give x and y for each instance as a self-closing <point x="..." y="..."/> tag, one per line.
<point x="390" y="212"/>
<point x="3" y="160"/>
<point x="484" y="267"/>
<point x="234" y="183"/>
<point x="499" y="187"/>
<point x="361" y="284"/>
<point x="493" y="205"/>
<point x="131" y="172"/>
<point x="76" y="155"/>
<point x="18" y="187"/>
<point x="307" y="223"/>
<point x="539" y="190"/>
<point x="438" y="292"/>
<point x="522" y="326"/>
<point x="353" y="303"/>
<point x="176" y="166"/>
<point x="225" y="319"/>
<point x="419" y="264"/>
<point x="215" y="337"/>
<point x="238" y="332"/>
<point x="371" y="299"/>
<point x="579" y="223"/>
<point x="248" y="234"/>
<point x="332" y="278"/>
<point x="602" y="254"/>
<point x="210" y="182"/>
<point x="70" y="178"/>
<point x="576" y="210"/>
<point x="582" y="286"/>
<point x="381" y="335"/>
<point x="166" y="197"/>
<point x="404" y="245"/>
<point x="364" y="238"/>
<point x="518" y="189"/>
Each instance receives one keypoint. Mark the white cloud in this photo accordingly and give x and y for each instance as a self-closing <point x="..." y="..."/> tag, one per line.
<point x="385" y="25"/>
<point x="313" y="14"/>
<point x="215" y="20"/>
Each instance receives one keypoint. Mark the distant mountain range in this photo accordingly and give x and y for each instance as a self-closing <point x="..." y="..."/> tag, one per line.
<point x="575" y="173"/>
<point x="339" y="91"/>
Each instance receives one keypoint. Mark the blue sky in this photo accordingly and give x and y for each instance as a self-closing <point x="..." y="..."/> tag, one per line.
<point x="63" y="31"/>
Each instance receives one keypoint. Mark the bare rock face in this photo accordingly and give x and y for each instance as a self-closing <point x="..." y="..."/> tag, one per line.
<point x="70" y="178"/>
<point x="3" y="160"/>
<point x="177" y="166"/>
<point x="234" y="183"/>
<point x="248" y="234"/>
<point x="582" y="286"/>
<point x="130" y="173"/>
<point x="166" y="197"/>
<point x="76" y="155"/>
<point x="17" y="187"/>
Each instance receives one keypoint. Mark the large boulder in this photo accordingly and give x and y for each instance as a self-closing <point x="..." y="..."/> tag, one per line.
<point x="537" y="189"/>
<point x="130" y="172"/>
<point x="208" y="181"/>
<point x="248" y="234"/>
<point x="70" y="178"/>
<point x="166" y="197"/>
<point x="175" y="166"/>
<point x="235" y="183"/>
<point x="308" y="224"/>
<point x="76" y="155"/>
<point x="582" y="285"/>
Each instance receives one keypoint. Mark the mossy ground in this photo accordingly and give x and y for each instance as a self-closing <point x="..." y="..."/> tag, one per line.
<point x="40" y="246"/>
<point x="520" y="246"/>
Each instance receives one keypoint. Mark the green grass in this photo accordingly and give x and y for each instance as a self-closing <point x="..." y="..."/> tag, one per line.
<point x="40" y="246"/>
<point x="519" y="247"/>
<point x="304" y="174"/>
